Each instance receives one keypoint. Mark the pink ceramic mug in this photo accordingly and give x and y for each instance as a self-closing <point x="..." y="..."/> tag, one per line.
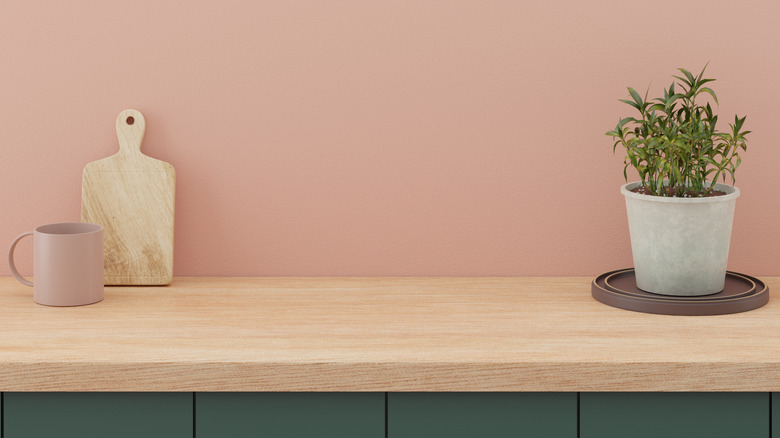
<point x="68" y="264"/>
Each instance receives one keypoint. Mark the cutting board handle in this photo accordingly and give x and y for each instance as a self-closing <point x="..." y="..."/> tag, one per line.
<point x="130" y="129"/>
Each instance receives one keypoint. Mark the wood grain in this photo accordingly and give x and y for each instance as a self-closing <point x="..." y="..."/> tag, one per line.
<point x="132" y="196"/>
<point x="378" y="334"/>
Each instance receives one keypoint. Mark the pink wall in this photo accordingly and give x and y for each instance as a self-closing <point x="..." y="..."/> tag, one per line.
<point x="377" y="137"/>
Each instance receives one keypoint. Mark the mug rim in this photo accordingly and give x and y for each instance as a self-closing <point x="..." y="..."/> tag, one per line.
<point x="69" y="228"/>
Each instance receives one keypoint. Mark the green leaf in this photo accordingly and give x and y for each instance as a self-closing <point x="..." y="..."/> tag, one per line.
<point x="709" y="160"/>
<point x="636" y="96"/>
<point x="710" y="92"/>
<point x="739" y="122"/>
<point x="632" y="157"/>
<point x="674" y="97"/>
<point x="708" y="110"/>
<point x="658" y="107"/>
<point x="677" y="175"/>
<point x="685" y="81"/>
<point x="630" y="103"/>
<point x="688" y="75"/>
<point x="698" y="79"/>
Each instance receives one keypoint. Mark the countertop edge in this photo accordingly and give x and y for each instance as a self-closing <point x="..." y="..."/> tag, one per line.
<point x="391" y="377"/>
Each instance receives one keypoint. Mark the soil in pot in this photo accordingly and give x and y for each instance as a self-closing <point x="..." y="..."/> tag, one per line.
<point x="641" y="190"/>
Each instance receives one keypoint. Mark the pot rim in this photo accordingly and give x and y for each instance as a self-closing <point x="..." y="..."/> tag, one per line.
<point x="731" y="194"/>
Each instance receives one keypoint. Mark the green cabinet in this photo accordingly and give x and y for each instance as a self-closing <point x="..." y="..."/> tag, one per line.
<point x="774" y="402"/>
<point x="85" y="415"/>
<point x="482" y="415"/>
<point x="293" y="415"/>
<point x="402" y="415"/>
<point x="671" y="415"/>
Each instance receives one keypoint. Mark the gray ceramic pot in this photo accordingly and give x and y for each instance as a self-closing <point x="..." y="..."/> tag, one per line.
<point x="680" y="245"/>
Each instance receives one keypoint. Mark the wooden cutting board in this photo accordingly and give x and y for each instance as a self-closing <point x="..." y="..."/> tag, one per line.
<point x="132" y="196"/>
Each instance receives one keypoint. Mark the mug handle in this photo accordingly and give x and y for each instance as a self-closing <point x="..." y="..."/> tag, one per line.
<point x="11" y="260"/>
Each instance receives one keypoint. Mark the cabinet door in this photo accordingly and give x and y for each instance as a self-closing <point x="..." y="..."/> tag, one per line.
<point x="482" y="415"/>
<point x="299" y="415"/>
<point x="775" y="402"/>
<point x="670" y="415"/>
<point x="86" y="415"/>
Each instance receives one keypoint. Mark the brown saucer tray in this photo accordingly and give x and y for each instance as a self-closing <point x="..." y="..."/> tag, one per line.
<point x="741" y="293"/>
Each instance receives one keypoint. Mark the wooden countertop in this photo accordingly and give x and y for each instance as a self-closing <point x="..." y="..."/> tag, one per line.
<point x="378" y="334"/>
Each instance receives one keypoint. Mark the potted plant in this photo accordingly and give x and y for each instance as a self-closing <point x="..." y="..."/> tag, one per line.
<point x="679" y="215"/>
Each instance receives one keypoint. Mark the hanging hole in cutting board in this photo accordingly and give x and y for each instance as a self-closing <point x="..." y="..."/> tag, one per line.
<point x="130" y="120"/>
